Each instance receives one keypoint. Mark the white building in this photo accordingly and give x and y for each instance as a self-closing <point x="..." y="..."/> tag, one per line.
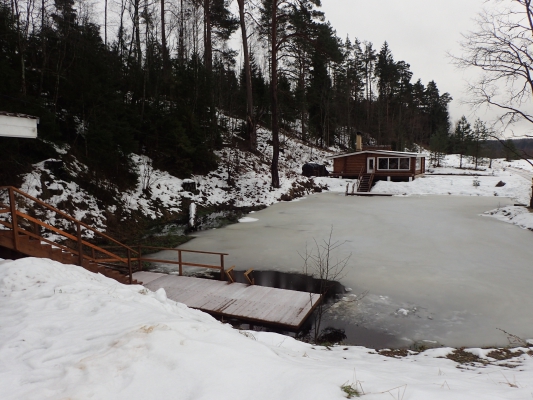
<point x="18" y="125"/>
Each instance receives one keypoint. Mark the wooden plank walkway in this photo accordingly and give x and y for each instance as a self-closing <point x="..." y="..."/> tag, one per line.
<point x="251" y="303"/>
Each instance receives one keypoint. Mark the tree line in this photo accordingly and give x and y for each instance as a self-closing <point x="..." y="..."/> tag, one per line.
<point x="157" y="78"/>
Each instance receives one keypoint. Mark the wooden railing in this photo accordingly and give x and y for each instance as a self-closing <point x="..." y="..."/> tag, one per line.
<point x="370" y="180"/>
<point x="180" y="263"/>
<point x="22" y="223"/>
<point x="359" y="177"/>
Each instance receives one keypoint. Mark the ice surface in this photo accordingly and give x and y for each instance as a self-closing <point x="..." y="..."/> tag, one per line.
<point x="457" y="275"/>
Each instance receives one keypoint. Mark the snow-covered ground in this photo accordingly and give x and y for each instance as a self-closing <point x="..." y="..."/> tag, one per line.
<point x="450" y="180"/>
<point x="68" y="333"/>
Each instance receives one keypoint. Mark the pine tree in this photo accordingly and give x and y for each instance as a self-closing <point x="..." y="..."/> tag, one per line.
<point x="462" y="138"/>
<point x="480" y="135"/>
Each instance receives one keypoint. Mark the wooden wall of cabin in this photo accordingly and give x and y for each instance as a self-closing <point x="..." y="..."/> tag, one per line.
<point x="355" y="163"/>
<point x="352" y="165"/>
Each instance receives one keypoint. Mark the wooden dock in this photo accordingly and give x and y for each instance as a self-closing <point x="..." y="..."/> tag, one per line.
<point x="259" y="304"/>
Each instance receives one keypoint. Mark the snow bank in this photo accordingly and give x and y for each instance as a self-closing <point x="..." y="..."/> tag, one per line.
<point x="520" y="216"/>
<point x="515" y="187"/>
<point x="68" y="333"/>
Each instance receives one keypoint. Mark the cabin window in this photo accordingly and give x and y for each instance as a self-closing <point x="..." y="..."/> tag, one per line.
<point x="418" y="164"/>
<point x="393" y="163"/>
<point x="404" y="163"/>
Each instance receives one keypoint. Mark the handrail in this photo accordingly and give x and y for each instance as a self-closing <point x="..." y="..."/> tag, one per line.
<point x="370" y="182"/>
<point x="80" y="243"/>
<point x="359" y="178"/>
<point x="64" y="215"/>
<point x="185" y="250"/>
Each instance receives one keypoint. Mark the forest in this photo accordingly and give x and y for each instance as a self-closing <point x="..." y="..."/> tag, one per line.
<point x="152" y="77"/>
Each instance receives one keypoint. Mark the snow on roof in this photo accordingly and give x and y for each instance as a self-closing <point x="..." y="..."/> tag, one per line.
<point x="384" y="152"/>
<point x="9" y="114"/>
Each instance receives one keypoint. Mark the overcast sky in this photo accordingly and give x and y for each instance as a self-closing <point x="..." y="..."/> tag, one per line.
<point x="419" y="32"/>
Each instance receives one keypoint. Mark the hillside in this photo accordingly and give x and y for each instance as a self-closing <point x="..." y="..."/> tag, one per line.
<point x="149" y="195"/>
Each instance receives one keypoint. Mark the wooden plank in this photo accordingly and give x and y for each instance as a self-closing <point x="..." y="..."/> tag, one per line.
<point x="261" y="304"/>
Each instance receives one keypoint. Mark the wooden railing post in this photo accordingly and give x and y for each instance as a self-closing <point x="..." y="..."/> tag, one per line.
<point x="129" y="266"/>
<point x="222" y="267"/>
<point x="14" y="220"/>
<point x="80" y="245"/>
<point x="140" y="264"/>
<point x="179" y="263"/>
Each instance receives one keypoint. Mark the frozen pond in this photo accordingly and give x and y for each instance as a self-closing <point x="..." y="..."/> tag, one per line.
<point x="434" y="269"/>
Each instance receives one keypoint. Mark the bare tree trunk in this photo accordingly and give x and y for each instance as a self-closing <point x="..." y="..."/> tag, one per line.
<point x="105" y="23"/>
<point x="274" y="94"/>
<point x="21" y="46"/>
<point x="208" y="61"/>
<point x="166" y="60"/>
<point x="181" y="44"/>
<point x="250" y="121"/>
<point x="43" y="45"/>
<point x="208" y="45"/>
<point x="136" y="24"/>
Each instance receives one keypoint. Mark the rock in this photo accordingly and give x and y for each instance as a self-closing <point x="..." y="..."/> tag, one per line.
<point x="500" y="184"/>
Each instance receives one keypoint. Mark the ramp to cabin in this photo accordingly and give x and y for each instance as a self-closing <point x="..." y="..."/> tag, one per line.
<point x="259" y="304"/>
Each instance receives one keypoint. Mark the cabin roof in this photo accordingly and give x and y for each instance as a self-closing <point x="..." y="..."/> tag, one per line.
<point x="382" y="152"/>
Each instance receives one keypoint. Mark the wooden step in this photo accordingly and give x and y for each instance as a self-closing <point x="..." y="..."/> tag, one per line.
<point x="56" y="254"/>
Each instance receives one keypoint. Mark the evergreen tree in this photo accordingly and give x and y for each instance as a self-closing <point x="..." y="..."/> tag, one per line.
<point x="439" y="145"/>
<point x="462" y="138"/>
<point x="480" y="135"/>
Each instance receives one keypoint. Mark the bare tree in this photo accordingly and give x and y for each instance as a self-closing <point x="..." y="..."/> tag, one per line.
<point x="23" y="14"/>
<point x="250" y="121"/>
<point x="274" y="93"/>
<point x="501" y="47"/>
<point x="164" y="48"/>
<point x="322" y="263"/>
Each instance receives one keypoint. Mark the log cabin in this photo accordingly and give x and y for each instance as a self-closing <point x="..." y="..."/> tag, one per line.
<point x="370" y="164"/>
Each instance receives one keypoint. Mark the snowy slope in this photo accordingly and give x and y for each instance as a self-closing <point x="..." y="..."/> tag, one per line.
<point x="242" y="179"/>
<point x="68" y="333"/>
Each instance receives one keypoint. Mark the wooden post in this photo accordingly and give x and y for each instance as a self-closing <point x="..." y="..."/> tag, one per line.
<point x="531" y="200"/>
<point x="222" y="267"/>
<point x="179" y="262"/>
<point x="80" y="245"/>
<point x="140" y="261"/>
<point x="129" y="266"/>
<point x="14" y="220"/>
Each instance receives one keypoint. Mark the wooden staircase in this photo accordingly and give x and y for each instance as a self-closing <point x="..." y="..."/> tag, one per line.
<point x="32" y="247"/>
<point x="365" y="183"/>
<point x="22" y="235"/>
